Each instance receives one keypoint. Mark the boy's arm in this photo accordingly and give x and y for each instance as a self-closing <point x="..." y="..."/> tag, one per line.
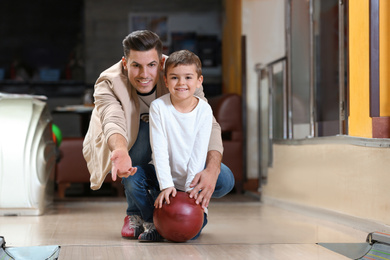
<point x="199" y="151"/>
<point x="159" y="145"/>
<point x="215" y="143"/>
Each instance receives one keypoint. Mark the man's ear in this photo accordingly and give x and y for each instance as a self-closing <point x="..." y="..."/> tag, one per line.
<point x="124" y="63"/>
<point x="162" y="61"/>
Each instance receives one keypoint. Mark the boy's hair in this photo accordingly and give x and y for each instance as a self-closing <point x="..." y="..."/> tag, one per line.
<point x="183" y="57"/>
<point x="142" y="40"/>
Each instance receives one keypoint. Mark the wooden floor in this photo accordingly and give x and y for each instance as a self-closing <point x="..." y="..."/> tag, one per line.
<point x="239" y="227"/>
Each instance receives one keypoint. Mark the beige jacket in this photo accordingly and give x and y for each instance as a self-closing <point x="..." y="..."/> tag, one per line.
<point x="117" y="111"/>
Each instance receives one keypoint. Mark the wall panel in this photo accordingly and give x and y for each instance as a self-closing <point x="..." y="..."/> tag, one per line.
<point x="359" y="118"/>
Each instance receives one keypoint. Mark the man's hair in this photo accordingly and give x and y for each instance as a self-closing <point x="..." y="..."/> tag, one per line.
<point x="142" y="40"/>
<point x="183" y="57"/>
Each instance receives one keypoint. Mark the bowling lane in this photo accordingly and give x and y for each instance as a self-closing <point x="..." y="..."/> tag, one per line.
<point x="90" y="229"/>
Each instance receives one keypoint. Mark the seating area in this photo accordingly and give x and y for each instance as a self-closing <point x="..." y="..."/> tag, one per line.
<point x="227" y="108"/>
<point x="72" y="168"/>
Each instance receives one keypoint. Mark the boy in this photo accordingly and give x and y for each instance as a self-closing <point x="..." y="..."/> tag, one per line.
<point x="180" y="126"/>
<point x="180" y="129"/>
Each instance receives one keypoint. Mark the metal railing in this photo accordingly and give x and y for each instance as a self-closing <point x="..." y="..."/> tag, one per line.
<point x="268" y="87"/>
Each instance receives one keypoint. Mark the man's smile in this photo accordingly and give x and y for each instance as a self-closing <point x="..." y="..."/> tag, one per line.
<point x="144" y="81"/>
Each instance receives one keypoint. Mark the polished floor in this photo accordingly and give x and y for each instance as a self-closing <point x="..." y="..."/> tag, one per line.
<point x="240" y="227"/>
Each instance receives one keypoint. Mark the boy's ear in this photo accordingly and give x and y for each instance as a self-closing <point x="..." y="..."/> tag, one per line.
<point x="200" y="81"/>
<point x="165" y="81"/>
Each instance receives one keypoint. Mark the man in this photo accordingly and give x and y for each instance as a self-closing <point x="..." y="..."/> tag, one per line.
<point x="118" y="136"/>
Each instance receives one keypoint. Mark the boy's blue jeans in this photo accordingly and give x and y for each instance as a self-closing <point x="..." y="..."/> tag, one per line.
<point x="142" y="188"/>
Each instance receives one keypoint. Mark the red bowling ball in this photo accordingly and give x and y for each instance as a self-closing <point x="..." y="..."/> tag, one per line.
<point x="180" y="220"/>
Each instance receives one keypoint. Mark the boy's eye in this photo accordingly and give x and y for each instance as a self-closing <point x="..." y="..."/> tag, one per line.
<point x="188" y="77"/>
<point x="173" y="77"/>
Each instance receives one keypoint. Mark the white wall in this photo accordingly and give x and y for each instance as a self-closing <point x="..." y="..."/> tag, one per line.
<point x="334" y="176"/>
<point x="263" y="24"/>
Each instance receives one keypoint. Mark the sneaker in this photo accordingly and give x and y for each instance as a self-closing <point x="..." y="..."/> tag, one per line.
<point x="150" y="234"/>
<point x="132" y="227"/>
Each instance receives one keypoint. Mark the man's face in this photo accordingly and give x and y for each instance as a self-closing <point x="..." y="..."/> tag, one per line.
<point x="142" y="68"/>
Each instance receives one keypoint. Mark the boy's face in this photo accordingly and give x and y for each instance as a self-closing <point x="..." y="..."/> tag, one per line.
<point x="142" y="69"/>
<point x="182" y="81"/>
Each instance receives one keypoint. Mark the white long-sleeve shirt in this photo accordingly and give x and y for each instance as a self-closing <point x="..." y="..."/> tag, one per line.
<point x="179" y="141"/>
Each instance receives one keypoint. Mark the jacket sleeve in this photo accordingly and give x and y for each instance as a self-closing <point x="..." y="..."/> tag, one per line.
<point x="159" y="144"/>
<point x="110" y="110"/>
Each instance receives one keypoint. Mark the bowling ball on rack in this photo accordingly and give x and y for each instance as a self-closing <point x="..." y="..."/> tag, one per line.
<point x="57" y="134"/>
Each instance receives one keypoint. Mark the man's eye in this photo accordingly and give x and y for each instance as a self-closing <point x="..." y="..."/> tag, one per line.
<point x="135" y="65"/>
<point x="152" y="65"/>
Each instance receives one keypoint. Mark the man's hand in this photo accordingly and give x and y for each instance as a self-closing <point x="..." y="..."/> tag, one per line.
<point x="121" y="161"/>
<point x="121" y="164"/>
<point x="204" y="182"/>
<point x="164" y="196"/>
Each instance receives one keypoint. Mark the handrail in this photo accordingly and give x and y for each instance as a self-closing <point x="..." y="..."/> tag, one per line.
<point x="262" y="73"/>
<point x="260" y="66"/>
<point x="266" y="119"/>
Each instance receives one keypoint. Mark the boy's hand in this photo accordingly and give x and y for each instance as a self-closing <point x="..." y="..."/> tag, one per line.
<point x="164" y="195"/>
